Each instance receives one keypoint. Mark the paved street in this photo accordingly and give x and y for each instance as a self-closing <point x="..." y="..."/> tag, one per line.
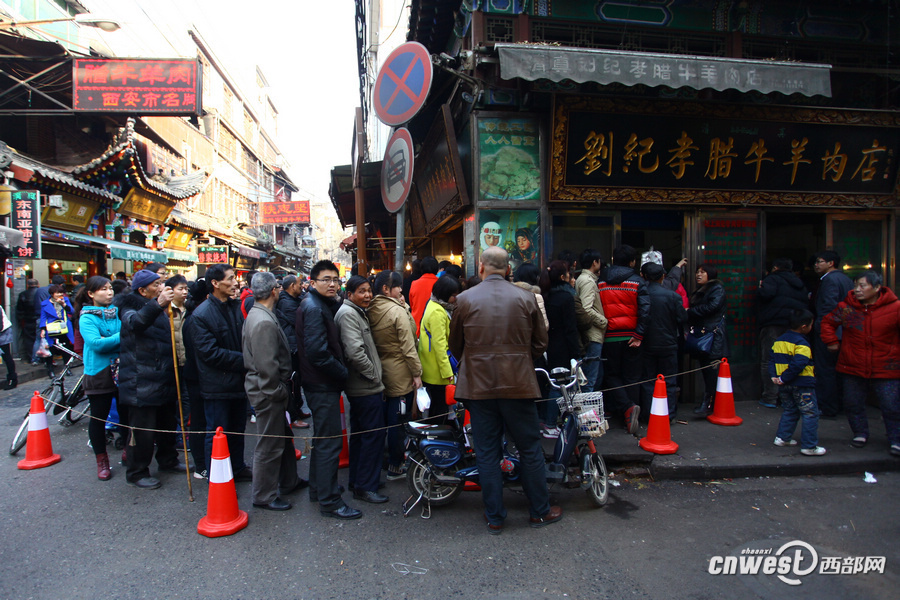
<point x="68" y="535"/>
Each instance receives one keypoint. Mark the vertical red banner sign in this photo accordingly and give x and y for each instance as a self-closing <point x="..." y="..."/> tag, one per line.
<point x="26" y="217"/>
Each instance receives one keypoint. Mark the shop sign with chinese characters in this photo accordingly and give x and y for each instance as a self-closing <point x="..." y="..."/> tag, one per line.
<point x="75" y="213"/>
<point x="650" y="151"/>
<point x="27" y="219"/>
<point x="295" y="212"/>
<point x="144" y="86"/>
<point x="212" y="255"/>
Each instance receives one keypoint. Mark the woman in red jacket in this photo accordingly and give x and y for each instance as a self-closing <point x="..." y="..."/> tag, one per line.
<point x="869" y="355"/>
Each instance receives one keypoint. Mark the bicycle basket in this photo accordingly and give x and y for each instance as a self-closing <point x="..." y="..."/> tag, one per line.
<point x="589" y="408"/>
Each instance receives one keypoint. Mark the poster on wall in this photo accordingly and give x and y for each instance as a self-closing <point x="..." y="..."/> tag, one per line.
<point x="510" y="165"/>
<point x="516" y="231"/>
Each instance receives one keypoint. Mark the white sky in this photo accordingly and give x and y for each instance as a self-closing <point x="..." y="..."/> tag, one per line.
<point x="305" y="49"/>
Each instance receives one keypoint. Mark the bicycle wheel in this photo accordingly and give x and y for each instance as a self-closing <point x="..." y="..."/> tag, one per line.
<point x="22" y="433"/>
<point x="417" y="478"/>
<point x="599" y="490"/>
<point x="79" y="408"/>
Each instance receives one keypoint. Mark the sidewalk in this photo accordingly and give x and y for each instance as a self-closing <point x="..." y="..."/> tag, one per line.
<point x="707" y="451"/>
<point x="32" y="375"/>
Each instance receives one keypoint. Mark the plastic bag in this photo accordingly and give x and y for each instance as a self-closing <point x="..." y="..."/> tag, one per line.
<point x="43" y="350"/>
<point x="423" y="400"/>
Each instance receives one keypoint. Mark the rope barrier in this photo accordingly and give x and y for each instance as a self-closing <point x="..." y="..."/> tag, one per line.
<point x="715" y="363"/>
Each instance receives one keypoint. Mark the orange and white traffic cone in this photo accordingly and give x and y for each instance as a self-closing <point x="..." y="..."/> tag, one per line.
<point x="723" y="409"/>
<point x="223" y="517"/>
<point x="659" y="434"/>
<point x="38" y="449"/>
<point x="344" y="459"/>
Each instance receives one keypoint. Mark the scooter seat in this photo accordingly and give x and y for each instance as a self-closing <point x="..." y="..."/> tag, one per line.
<point x="426" y="429"/>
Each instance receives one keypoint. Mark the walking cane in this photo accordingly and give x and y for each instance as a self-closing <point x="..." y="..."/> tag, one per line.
<point x="184" y="445"/>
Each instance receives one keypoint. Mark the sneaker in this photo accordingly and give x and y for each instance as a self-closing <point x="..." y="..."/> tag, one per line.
<point x="780" y="442"/>
<point x="859" y="441"/>
<point x="767" y="404"/>
<point x="204" y="474"/>
<point x="631" y="419"/>
<point x="895" y="449"/>
<point x="551" y="433"/>
<point x="393" y="475"/>
<point x="817" y="451"/>
<point x="253" y="418"/>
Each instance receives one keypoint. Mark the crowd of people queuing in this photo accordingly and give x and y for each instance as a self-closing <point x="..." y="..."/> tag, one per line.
<point x="271" y="349"/>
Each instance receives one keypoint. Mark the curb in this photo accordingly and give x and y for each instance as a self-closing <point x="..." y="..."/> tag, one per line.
<point x="661" y="471"/>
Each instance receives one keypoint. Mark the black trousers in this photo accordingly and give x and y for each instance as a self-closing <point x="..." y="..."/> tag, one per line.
<point x="325" y="455"/>
<point x="197" y="427"/>
<point x="141" y="453"/>
<point x="623" y="367"/>
<point x="100" y="405"/>
<point x="437" y="414"/>
<point x="653" y="365"/>
<point x="367" y="435"/>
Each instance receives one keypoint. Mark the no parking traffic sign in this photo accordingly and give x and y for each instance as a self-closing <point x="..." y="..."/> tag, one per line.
<point x="397" y="170"/>
<point x="402" y="84"/>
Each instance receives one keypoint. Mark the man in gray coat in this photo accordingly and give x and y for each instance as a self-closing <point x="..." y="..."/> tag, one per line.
<point x="267" y="358"/>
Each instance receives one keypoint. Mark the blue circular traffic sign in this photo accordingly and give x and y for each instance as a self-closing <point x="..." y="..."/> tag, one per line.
<point x="402" y="84"/>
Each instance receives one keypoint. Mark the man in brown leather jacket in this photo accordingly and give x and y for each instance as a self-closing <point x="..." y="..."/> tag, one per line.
<point x="496" y="331"/>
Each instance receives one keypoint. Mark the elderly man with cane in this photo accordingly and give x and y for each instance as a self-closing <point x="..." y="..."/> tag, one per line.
<point x="267" y="357"/>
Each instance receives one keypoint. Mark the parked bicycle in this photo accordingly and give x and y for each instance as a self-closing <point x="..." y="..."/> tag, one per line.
<point x="69" y="405"/>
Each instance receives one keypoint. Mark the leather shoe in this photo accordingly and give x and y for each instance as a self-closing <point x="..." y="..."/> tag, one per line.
<point x="344" y="512"/>
<point x="145" y="483"/>
<point x="298" y="424"/>
<point x="493" y="529"/>
<point x="371" y="497"/>
<point x="553" y="516"/>
<point x="301" y="485"/>
<point x="305" y="415"/>
<point x="176" y="468"/>
<point x="245" y="474"/>
<point x="276" y="504"/>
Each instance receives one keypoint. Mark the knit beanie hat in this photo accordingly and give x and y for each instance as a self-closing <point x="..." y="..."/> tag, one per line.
<point x="143" y="278"/>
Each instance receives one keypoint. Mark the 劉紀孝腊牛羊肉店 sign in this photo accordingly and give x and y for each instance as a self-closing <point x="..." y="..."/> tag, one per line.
<point x="294" y="212"/>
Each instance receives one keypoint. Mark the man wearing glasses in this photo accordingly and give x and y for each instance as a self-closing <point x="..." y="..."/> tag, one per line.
<point x="323" y="374"/>
<point x="833" y="288"/>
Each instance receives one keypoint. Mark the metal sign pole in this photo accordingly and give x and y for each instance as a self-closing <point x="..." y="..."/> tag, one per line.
<point x="400" y="252"/>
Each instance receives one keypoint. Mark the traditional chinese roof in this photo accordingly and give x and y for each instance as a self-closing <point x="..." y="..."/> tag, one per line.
<point x="124" y="148"/>
<point x="431" y="23"/>
<point x="184" y="218"/>
<point x="30" y="170"/>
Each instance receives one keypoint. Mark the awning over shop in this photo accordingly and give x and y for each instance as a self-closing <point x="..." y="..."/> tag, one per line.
<point x="582" y="65"/>
<point x="117" y="250"/>
<point x="10" y="237"/>
<point x="348" y="242"/>
<point x="343" y="197"/>
<point x="248" y="252"/>
<point x="285" y="269"/>
<point x="190" y="257"/>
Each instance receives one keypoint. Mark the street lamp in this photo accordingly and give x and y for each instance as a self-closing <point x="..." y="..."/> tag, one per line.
<point x="88" y="20"/>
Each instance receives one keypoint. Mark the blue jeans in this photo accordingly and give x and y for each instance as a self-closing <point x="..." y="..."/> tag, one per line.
<point x="799" y="402"/>
<point x="593" y="371"/>
<point x="888" y="393"/>
<point x="520" y="419"/>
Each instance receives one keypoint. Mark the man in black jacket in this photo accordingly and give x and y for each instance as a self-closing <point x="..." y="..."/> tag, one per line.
<point x="833" y="288"/>
<point x="780" y="294"/>
<point x="660" y="344"/>
<point x="27" y="320"/>
<point x="323" y="374"/>
<point x="215" y="330"/>
<point x="286" y="312"/>
<point x="147" y="379"/>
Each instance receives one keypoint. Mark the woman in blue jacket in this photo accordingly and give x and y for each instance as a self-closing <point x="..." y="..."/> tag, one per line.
<point x="98" y="323"/>
<point x="56" y="326"/>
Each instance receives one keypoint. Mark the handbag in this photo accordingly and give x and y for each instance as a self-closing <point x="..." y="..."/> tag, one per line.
<point x="699" y="340"/>
<point x="57" y="328"/>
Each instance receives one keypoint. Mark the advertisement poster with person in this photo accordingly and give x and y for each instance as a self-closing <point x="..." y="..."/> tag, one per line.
<point x="516" y="231"/>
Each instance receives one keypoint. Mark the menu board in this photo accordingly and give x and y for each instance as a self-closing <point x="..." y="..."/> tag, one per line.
<point x="731" y="245"/>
